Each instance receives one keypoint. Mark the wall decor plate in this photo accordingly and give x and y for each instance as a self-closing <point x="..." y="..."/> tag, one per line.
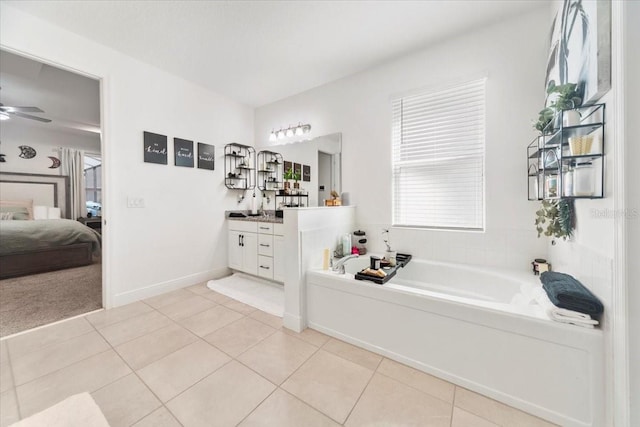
<point x="155" y="148"/>
<point x="26" y="152"/>
<point x="55" y="162"/>
<point x="183" y="152"/>
<point x="206" y="156"/>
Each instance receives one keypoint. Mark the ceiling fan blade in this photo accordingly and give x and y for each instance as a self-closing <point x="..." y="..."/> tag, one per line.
<point x="28" y="116"/>
<point x="21" y="109"/>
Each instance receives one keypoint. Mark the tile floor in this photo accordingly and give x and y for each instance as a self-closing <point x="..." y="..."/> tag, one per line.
<point x="194" y="357"/>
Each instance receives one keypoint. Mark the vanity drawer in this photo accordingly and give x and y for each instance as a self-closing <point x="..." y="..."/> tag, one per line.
<point x="265" y="228"/>
<point x="265" y="267"/>
<point x="265" y="244"/>
<point x="237" y="225"/>
<point x="278" y="229"/>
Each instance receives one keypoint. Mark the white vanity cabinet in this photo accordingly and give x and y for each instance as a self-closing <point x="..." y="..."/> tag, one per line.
<point x="243" y="246"/>
<point x="257" y="248"/>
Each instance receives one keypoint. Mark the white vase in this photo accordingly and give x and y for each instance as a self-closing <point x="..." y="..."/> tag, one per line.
<point x="570" y="118"/>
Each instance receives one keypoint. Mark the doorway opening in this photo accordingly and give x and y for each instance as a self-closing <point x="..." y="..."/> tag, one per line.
<point x="51" y="143"/>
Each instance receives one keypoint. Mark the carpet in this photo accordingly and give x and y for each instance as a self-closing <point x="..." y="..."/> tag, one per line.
<point x="39" y="299"/>
<point x="261" y="294"/>
<point x="79" y="410"/>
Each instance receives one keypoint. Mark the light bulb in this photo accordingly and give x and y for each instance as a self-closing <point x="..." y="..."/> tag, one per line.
<point x="289" y="131"/>
<point x="272" y="137"/>
<point x="299" y="130"/>
<point x="280" y="134"/>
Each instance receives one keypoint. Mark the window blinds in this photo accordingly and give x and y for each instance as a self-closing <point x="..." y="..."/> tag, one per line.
<point x="438" y="158"/>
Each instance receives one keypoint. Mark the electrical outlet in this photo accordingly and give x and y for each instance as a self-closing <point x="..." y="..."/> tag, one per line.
<point x="135" y="202"/>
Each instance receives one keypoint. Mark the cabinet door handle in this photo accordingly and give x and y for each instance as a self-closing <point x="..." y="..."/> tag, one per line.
<point x="264" y="266"/>
<point x="263" y="245"/>
<point x="242" y="240"/>
<point x="239" y="239"/>
<point x="264" y="228"/>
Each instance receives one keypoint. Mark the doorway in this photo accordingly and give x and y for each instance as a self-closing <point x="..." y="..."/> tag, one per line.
<point x="51" y="130"/>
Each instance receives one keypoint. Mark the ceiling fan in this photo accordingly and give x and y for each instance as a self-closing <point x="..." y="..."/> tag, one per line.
<point x="6" y="112"/>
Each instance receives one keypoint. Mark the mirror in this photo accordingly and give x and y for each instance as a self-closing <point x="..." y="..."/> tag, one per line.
<point x="321" y="158"/>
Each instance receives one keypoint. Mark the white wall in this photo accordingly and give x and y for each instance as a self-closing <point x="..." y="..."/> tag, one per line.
<point x="178" y="238"/>
<point x="46" y="143"/>
<point x="512" y="56"/>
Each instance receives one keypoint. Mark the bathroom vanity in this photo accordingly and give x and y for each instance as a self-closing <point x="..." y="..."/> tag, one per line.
<point x="256" y="246"/>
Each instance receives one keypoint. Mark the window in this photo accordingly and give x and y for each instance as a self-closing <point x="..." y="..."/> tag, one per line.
<point x="93" y="184"/>
<point x="438" y="158"/>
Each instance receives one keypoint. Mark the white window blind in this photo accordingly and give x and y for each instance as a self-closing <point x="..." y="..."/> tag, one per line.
<point x="438" y="158"/>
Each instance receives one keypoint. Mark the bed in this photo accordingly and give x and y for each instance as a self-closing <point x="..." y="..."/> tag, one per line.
<point x="50" y="242"/>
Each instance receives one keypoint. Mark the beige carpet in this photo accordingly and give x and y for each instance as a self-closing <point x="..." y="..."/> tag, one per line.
<point x="30" y="301"/>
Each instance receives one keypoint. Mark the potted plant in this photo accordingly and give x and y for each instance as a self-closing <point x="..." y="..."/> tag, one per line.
<point x="545" y="116"/>
<point x="287" y="175"/>
<point x="568" y="97"/>
<point x="296" y="178"/>
<point x="558" y="217"/>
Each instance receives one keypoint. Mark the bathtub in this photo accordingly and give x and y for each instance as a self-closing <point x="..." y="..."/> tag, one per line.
<point x="472" y="326"/>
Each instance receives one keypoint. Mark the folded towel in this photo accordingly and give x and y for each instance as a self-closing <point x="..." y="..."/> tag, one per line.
<point x="562" y="315"/>
<point x="566" y="292"/>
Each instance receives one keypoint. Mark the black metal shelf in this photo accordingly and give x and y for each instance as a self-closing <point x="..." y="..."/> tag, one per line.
<point x="270" y="177"/>
<point x="549" y="156"/>
<point x="239" y="164"/>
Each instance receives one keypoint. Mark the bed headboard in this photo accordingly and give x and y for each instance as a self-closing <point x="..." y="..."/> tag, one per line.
<point x="46" y="190"/>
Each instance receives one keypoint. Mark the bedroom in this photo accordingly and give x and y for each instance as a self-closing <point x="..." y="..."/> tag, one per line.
<point x="50" y="194"/>
<point x="176" y="236"/>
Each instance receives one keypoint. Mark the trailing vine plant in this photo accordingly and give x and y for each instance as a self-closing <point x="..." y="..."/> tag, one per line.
<point x="556" y="219"/>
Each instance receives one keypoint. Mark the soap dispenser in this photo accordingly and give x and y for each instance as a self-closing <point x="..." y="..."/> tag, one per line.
<point x="254" y="205"/>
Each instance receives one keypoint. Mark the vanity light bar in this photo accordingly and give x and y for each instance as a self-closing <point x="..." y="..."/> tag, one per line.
<point x="298" y="130"/>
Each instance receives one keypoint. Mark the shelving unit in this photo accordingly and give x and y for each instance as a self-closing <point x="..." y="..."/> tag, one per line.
<point x="270" y="170"/>
<point x="292" y="200"/>
<point x="552" y="169"/>
<point x="239" y="166"/>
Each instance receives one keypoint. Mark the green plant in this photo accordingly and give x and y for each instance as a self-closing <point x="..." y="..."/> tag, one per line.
<point x="568" y="96"/>
<point x="558" y="216"/>
<point x="544" y="118"/>
<point x="296" y="176"/>
<point x="288" y="174"/>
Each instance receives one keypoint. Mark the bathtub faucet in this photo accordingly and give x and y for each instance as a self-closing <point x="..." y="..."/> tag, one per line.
<point x="339" y="266"/>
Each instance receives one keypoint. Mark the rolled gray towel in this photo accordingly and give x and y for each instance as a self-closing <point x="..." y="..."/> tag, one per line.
<point x="565" y="291"/>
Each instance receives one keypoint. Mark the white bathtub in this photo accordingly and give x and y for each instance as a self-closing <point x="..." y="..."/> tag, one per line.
<point x="471" y="326"/>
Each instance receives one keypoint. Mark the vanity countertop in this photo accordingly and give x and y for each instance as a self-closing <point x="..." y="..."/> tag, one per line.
<point x="271" y="217"/>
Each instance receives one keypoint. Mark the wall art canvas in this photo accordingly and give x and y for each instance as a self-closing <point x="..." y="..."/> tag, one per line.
<point x="580" y="50"/>
<point x="206" y="156"/>
<point x="155" y="148"/>
<point x="306" y="173"/>
<point x="287" y="165"/>
<point x="183" y="152"/>
<point x="297" y="169"/>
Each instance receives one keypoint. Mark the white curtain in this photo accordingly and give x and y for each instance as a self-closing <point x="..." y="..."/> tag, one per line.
<point x="73" y="167"/>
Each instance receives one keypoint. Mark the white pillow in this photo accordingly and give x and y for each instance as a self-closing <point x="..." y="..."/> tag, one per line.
<point x="53" y="213"/>
<point x="40" y="212"/>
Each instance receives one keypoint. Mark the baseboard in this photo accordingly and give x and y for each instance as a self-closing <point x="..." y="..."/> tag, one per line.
<point x="170" y="285"/>
<point x="293" y="322"/>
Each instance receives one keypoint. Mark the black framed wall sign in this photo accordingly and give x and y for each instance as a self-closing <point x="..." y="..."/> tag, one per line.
<point x="306" y="173"/>
<point x="155" y="148"/>
<point x="206" y="156"/>
<point x="183" y="152"/>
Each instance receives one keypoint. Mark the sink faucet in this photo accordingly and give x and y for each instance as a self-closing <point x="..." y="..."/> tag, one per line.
<point x="339" y="266"/>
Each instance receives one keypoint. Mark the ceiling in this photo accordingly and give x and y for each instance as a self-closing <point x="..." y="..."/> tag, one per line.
<point x="70" y="100"/>
<point x="257" y="52"/>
